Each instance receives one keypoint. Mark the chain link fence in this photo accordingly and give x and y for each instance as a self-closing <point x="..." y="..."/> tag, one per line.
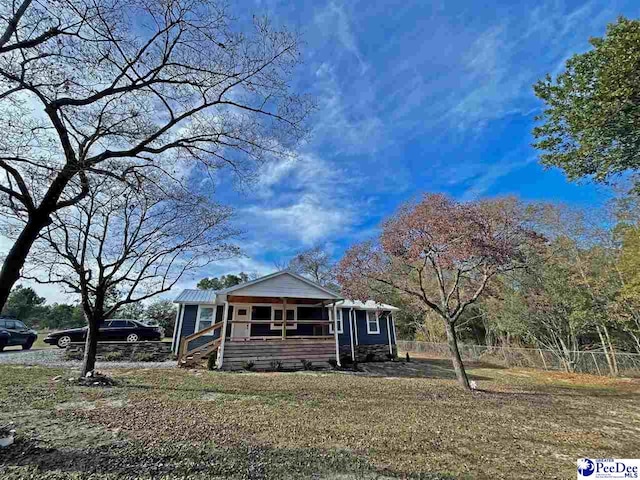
<point x="585" y="361"/>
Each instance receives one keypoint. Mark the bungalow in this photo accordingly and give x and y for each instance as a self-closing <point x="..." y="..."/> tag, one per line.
<point x="318" y="325"/>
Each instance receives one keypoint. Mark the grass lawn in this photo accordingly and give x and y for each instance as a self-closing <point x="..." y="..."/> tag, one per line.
<point x="200" y="424"/>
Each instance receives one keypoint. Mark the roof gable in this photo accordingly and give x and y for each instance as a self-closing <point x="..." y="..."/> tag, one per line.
<point x="282" y="284"/>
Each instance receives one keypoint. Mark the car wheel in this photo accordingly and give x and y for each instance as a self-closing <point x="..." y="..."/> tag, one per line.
<point x="64" y="341"/>
<point x="132" y="337"/>
<point x="27" y="346"/>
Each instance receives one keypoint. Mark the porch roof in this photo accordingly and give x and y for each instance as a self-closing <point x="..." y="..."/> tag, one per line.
<point x="282" y="284"/>
<point x="368" y="305"/>
<point x="196" y="296"/>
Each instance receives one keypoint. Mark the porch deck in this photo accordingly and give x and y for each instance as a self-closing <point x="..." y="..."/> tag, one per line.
<point x="288" y="352"/>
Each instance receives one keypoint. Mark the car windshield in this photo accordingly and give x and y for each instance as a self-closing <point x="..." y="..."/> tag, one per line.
<point x="19" y="324"/>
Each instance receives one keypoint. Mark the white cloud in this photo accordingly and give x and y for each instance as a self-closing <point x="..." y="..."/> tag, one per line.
<point x="309" y="220"/>
<point x="349" y="124"/>
<point x="480" y="184"/>
<point x="335" y="20"/>
<point x="499" y="70"/>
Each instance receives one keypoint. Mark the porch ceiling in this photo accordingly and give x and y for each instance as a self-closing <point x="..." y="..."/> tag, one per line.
<point x="278" y="300"/>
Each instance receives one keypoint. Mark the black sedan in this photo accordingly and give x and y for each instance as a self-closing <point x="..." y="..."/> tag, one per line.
<point x="111" y="331"/>
<point x="14" y="332"/>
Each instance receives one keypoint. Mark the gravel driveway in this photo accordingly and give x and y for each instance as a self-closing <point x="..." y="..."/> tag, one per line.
<point x="52" y="357"/>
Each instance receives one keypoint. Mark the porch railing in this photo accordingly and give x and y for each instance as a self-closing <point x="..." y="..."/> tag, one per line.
<point x="200" y="350"/>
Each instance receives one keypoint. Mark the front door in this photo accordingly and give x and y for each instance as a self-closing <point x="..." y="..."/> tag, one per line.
<point x="241" y="330"/>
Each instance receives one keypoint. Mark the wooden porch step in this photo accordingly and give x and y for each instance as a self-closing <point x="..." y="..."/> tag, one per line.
<point x="288" y="352"/>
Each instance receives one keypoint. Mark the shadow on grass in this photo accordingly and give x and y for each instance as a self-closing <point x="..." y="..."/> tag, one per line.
<point x="184" y="460"/>
<point x="420" y="368"/>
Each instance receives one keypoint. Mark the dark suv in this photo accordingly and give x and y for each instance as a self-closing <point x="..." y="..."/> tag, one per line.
<point x="14" y="332"/>
<point x="112" y="331"/>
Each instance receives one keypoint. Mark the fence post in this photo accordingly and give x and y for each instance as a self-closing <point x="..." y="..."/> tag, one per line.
<point x="543" y="360"/>
<point x="594" y="361"/>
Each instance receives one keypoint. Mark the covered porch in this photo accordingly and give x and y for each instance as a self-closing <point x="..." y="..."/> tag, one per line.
<point x="273" y="321"/>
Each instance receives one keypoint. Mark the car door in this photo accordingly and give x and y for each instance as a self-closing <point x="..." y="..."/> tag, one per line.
<point x="103" y="331"/>
<point x="22" y="332"/>
<point x="17" y="336"/>
<point x="117" y="331"/>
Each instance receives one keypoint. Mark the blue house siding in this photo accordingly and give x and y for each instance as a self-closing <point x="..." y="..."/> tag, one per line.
<point x="344" y="338"/>
<point x="365" y="338"/>
<point x="189" y="325"/>
<point x="307" y="313"/>
<point x="189" y="320"/>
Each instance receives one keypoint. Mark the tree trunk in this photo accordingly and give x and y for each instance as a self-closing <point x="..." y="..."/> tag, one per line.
<point x="15" y="259"/>
<point x="90" y="346"/>
<point x="612" y="351"/>
<point x="458" y="366"/>
<point x="38" y="219"/>
<point x="605" y="350"/>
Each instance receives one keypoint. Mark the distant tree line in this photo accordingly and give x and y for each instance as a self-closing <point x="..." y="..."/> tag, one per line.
<point x="26" y="305"/>
<point x="225" y="281"/>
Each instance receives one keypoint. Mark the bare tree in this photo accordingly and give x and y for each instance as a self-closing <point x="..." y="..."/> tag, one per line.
<point x="441" y="254"/>
<point x="120" y="87"/>
<point x="121" y="245"/>
<point x="316" y="264"/>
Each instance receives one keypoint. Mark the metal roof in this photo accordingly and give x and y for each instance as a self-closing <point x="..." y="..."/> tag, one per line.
<point x="368" y="305"/>
<point x="196" y="296"/>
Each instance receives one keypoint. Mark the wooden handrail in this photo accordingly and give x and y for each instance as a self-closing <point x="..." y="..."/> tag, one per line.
<point x="184" y="342"/>
<point x="202" y="332"/>
<point x="204" y="347"/>
<point x="289" y="322"/>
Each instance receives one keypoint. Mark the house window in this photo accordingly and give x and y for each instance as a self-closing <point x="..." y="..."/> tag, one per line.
<point x="206" y="316"/>
<point x="373" y="322"/>
<point x="339" y="321"/>
<point x="276" y="321"/>
<point x="259" y="312"/>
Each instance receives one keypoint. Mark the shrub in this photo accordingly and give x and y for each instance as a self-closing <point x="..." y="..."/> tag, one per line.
<point x="276" y="365"/>
<point x="112" y="356"/>
<point x="345" y="360"/>
<point x="370" y="357"/>
<point x="333" y="363"/>
<point x="72" y="354"/>
<point x="211" y="361"/>
<point x="143" y="357"/>
<point x="248" y="365"/>
<point x="306" y="364"/>
<point x="391" y="357"/>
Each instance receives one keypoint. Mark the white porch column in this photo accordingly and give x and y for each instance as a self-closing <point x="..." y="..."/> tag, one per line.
<point x="284" y="318"/>
<point x="335" y="332"/>
<point x="175" y="327"/>
<point x="389" y="335"/>
<point x="176" y="345"/>
<point x="353" y="351"/>
<point x="223" y="334"/>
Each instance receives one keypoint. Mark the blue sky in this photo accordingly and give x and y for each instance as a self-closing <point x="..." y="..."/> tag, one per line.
<point x="414" y="97"/>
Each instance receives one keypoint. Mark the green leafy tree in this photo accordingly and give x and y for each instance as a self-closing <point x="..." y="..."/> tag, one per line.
<point x="61" y="315"/>
<point x="544" y="307"/>
<point x="131" y="311"/>
<point x="24" y="303"/>
<point x="225" y="281"/>
<point x="162" y="313"/>
<point x="592" y="116"/>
